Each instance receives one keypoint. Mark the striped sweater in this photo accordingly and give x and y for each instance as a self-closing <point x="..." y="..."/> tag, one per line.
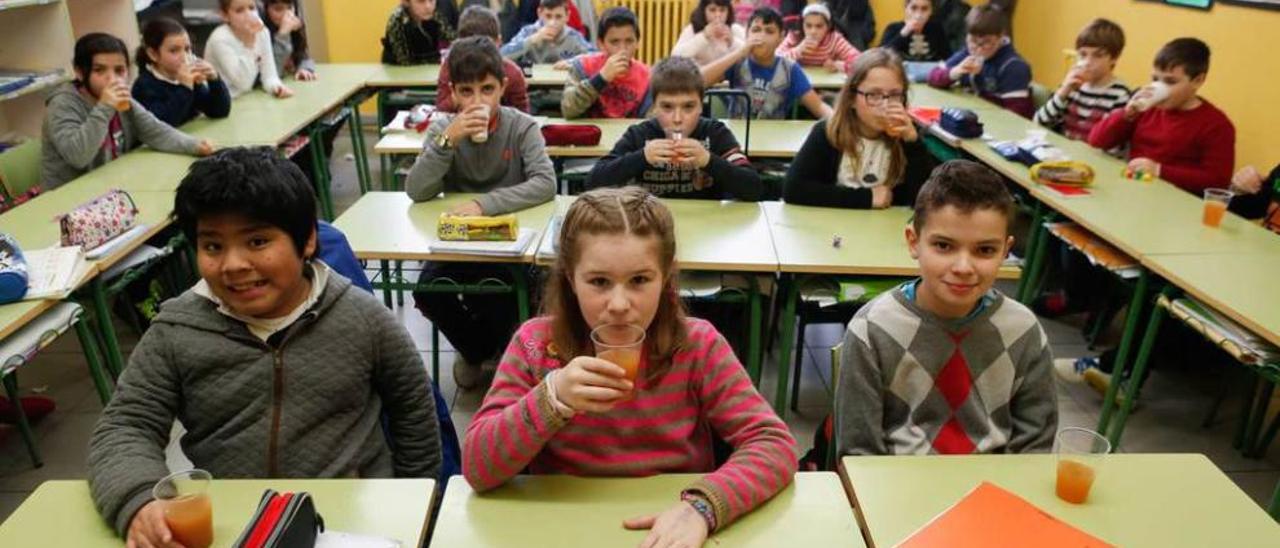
<point x="1076" y="115"/>
<point x="667" y="427"/>
<point x="832" y="47"/>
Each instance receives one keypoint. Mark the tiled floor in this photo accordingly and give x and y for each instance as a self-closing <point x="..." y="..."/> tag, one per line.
<point x="1173" y="404"/>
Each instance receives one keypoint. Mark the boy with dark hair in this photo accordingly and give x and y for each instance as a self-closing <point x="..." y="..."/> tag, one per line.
<point x="774" y="83"/>
<point x="481" y="21"/>
<point x="610" y="83"/>
<point x="488" y="149"/>
<point x="988" y="64"/>
<point x="945" y="364"/>
<point x="549" y="39"/>
<point x="677" y="153"/>
<point x="94" y="119"/>
<point x="275" y="365"/>
<point x="1090" y="90"/>
<point x="1172" y="132"/>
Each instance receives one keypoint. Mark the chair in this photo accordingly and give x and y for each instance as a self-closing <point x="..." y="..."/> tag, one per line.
<point x="661" y="23"/>
<point x="21" y="346"/>
<point x="20" y="169"/>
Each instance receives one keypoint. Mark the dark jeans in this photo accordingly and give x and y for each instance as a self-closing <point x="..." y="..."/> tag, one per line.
<point x="478" y="326"/>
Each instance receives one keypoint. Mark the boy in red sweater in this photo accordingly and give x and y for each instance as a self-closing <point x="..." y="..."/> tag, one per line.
<point x="1171" y="131"/>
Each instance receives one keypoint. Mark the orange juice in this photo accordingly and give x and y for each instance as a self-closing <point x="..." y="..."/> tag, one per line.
<point x="626" y="358"/>
<point x="190" y="519"/>
<point x="1074" y="480"/>
<point x="1213" y="212"/>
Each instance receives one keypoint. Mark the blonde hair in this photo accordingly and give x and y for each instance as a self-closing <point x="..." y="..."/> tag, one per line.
<point x="845" y="131"/>
<point x="635" y="212"/>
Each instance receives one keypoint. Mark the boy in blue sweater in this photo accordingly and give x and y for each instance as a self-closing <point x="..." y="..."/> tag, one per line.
<point x="988" y="64"/>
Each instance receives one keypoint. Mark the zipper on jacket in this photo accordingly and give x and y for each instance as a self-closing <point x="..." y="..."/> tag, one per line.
<point x="277" y="401"/>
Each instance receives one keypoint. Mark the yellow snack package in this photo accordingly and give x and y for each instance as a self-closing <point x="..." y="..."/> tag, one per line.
<point x="477" y="228"/>
<point x="1063" y="173"/>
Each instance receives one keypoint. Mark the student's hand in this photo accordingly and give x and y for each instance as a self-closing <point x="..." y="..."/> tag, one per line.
<point x="256" y="25"/>
<point x="717" y="31"/>
<point x="466" y="124"/>
<point x="898" y="117"/>
<point x="205" y="148"/>
<point x="148" y="528"/>
<point x="1247" y="180"/>
<point x="616" y="66"/>
<point x="289" y="23"/>
<point x="1137" y="103"/>
<point x="913" y="25"/>
<point x="1072" y="82"/>
<point x="1145" y="165"/>
<point x="562" y="64"/>
<point x="205" y="70"/>
<point x="692" y="153"/>
<point x="188" y="77"/>
<point x="659" y="152"/>
<point x="304" y="75"/>
<point x="968" y="66"/>
<point x="469" y="208"/>
<point x="114" y="94"/>
<point x="680" y="526"/>
<point x="283" y="92"/>
<point x="881" y="196"/>
<point x="833" y="65"/>
<point x="592" y="385"/>
<point x="749" y="44"/>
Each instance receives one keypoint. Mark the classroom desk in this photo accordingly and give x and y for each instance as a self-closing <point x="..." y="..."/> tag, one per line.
<point x="428" y="76"/>
<point x="142" y="170"/>
<point x="1138" y="499"/>
<point x="273" y="121"/>
<point x="769" y="138"/>
<point x="1233" y="284"/>
<point x="61" y="513"/>
<point x="566" y="511"/>
<point x="821" y="78"/>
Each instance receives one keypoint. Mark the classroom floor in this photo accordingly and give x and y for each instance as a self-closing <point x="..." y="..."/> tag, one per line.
<point x="1173" y="403"/>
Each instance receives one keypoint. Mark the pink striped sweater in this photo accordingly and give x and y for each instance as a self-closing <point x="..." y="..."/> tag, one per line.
<point x="666" y="428"/>
<point x="833" y="47"/>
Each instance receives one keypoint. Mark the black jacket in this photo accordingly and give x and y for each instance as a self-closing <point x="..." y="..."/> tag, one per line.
<point x="811" y="180"/>
<point x="934" y="35"/>
<point x="729" y="175"/>
<point x="175" y="104"/>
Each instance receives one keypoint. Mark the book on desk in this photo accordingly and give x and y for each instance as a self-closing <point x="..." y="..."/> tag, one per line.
<point x="969" y="524"/>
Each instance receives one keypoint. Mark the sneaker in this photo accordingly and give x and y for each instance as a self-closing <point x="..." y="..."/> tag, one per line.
<point x="1100" y="381"/>
<point x="1051" y="305"/>
<point x="466" y="374"/>
<point x="1072" y="370"/>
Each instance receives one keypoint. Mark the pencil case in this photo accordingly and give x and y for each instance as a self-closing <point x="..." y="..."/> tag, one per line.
<point x="477" y="228"/>
<point x="580" y="135"/>
<point x="96" y="222"/>
<point x="283" y="520"/>
<point x="1063" y="173"/>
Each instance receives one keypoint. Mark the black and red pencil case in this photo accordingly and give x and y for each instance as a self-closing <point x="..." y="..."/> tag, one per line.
<point x="283" y="520"/>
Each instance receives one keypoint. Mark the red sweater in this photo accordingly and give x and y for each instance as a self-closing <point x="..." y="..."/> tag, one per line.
<point x="1196" y="148"/>
<point x="667" y="427"/>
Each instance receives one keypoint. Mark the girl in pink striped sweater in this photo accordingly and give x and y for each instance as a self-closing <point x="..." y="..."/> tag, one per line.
<point x="821" y="45"/>
<point x="553" y="408"/>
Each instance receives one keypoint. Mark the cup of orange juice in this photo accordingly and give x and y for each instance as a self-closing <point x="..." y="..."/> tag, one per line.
<point x="620" y="344"/>
<point x="1080" y="453"/>
<point x="187" y="509"/>
<point x="1215" y="205"/>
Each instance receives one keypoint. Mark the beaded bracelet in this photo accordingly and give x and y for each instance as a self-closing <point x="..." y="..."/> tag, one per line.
<point x="702" y="506"/>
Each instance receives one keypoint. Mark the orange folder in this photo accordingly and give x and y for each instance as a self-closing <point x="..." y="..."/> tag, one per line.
<point x="991" y="517"/>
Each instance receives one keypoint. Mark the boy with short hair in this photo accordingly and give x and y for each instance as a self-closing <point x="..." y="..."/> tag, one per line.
<point x="677" y="153"/>
<point x="481" y="21"/>
<point x="774" y="83"/>
<point x="1090" y="90"/>
<point x="1181" y="138"/>
<point x="610" y="83"/>
<point x="275" y="365"/>
<point x="549" y="39"/>
<point x="988" y="64"/>
<point x="945" y="364"/>
<point x="488" y="149"/>
<point x="95" y="119"/>
<point x="415" y="34"/>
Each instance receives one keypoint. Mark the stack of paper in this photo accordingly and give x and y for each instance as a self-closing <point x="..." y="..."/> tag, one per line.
<point x="53" y="272"/>
<point x="487" y="248"/>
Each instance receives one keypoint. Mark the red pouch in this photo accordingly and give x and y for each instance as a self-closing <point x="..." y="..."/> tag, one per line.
<point x="283" y="520"/>
<point x="580" y="135"/>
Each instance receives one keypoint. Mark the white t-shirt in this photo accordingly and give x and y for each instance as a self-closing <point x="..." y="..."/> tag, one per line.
<point x="264" y="328"/>
<point x="239" y="65"/>
<point x="872" y="168"/>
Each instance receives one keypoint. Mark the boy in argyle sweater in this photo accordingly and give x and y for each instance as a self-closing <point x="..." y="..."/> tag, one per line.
<point x="945" y="364"/>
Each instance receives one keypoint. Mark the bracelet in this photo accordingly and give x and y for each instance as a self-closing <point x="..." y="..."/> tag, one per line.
<point x="561" y="408"/>
<point x="702" y="506"/>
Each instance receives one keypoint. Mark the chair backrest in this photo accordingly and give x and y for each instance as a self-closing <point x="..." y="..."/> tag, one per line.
<point x="20" y="168"/>
<point x="728" y="100"/>
<point x="660" y="24"/>
<point x="1040" y="95"/>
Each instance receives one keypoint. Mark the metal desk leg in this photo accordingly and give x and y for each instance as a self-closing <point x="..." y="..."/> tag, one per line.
<point x="791" y="294"/>
<point x="1136" y="305"/>
<point x="24" y="427"/>
<point x="357" y="144"/>
<point x="106" y="331"/>
<point x="1035" y="255"/>
<point x="89" y="344"/>
<point x="753" y="332"/>
<point x="320" y="169"/>
<point x="522" y="292"/>
<point x="387" y="287"/>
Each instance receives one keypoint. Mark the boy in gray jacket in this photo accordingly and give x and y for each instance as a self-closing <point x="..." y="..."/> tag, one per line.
<point x="277" y="366"/>
<point x="945" y="364"/>
<point x="94" y="120"/>
<point x="488" y="149"/>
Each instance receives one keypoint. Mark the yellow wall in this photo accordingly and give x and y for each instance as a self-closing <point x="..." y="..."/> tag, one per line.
<point x="1244" y="73"/>
<point x="354" y="29"/>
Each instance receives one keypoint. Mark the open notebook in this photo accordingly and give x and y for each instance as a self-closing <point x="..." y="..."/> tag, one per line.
<point x="53" y="272"/>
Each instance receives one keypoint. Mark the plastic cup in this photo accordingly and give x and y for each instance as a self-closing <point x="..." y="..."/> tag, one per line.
<point x="1159" y="92"/>
<point x="1080" y="454"/>
<point x="1216" y="201"/>
<point x="187" y="508"/>
<point x="483" y="136"/>
<point x="675" y="135"/>
<point x="620" y="344"/>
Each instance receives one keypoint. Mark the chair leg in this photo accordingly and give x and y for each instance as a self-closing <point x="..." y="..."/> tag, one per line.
<point x="1260" y="450"/>
<point x="1212" y="416"/>
<point x="1245" y="410"/>
<point x="29" y="437"/>
<point x="1257" y="418"/>
<point x="798" y="368"/>
<point x="1274" y="509"/>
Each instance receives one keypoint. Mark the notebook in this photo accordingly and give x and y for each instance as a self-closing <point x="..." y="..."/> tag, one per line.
<point x="53" y="272"/>
<point x="970" y="524"/>
<point x="487" y="248"/>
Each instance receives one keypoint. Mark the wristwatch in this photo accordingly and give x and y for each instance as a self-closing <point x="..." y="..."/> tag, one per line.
<point x="443" y="141"/>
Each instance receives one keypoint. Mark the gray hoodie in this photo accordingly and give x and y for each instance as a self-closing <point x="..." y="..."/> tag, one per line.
<point x="308" y="403"/>
<point x="75" y="129"/>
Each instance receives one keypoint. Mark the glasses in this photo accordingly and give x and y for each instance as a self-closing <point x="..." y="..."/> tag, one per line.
<point x="875" y="98"/>
<point x="975" y="43"/>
